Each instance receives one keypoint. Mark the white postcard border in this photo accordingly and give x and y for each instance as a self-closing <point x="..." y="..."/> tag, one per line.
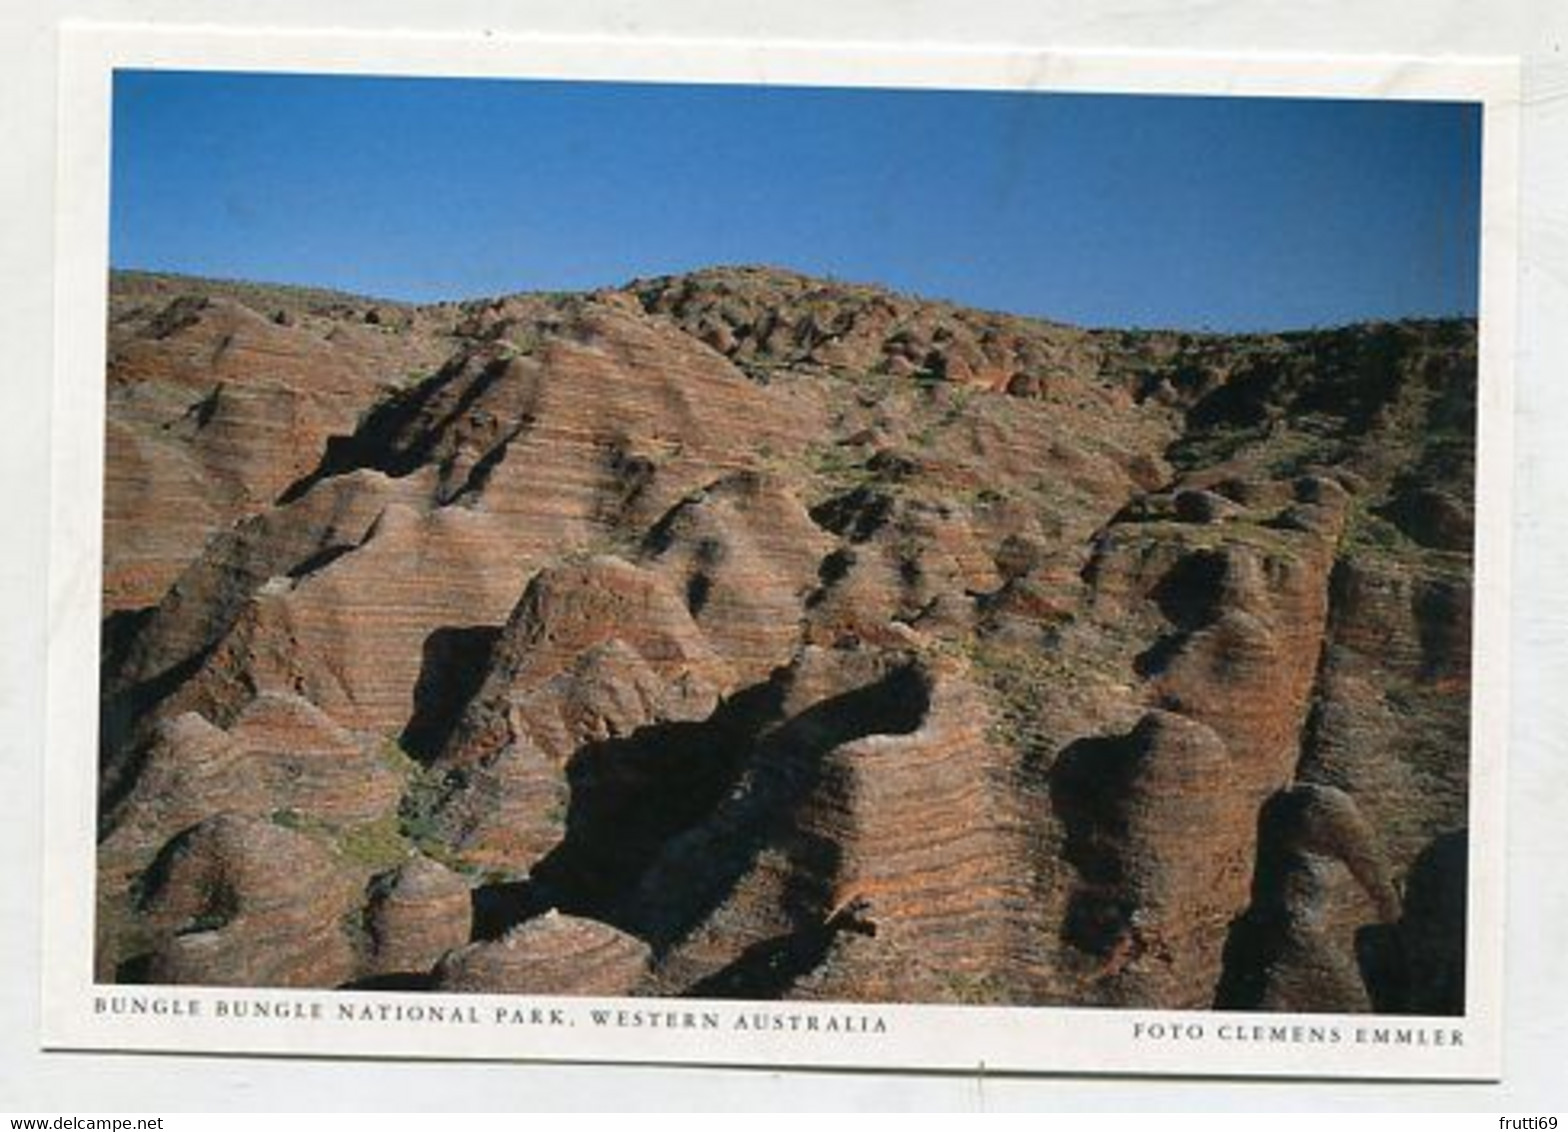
<point x="79" y="1015"/>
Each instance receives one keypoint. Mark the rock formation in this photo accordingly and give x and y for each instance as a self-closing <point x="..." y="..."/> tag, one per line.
<point x="746" y="634"/>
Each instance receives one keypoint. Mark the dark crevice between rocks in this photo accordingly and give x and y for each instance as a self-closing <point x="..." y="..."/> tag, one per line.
<point x="479" y="475"/>
<point x="1413" y="966"/>
<point x="1242" y="402"/>
<point x="320" y="560"/>
<point x="661" y="536"/>
<point x="1417" y="966"/>
<point x="199" y="415"/>
<point x="1364" y="373"/>
<point x="220" y="904"/>
<point x="135" y="970"/>
<point x="698" y="871"/>
<point x="499" y="906"/>
<point x="1258" y="936"/>
<point x="1318" y="698"/>
<point x="1442" y="615"/>
<point x="664" y="823"/>
<point x="1158" y="656"/>
<point x="1430" y="517"/>
<point x="832" y="570"/>
<point x="118" y="633"/>
<point x="633" y="474"/>
<point x="768" y="970"/>
<point x="1381" y="960"/>
<point x="388" y="440"/>
<point x="453" y="663"/>
<point x="1190" y="596"/>
<point x="631" y="795"/>
<point x="699" y="587"/>
<point x="1192" y="591"/>
<point x="856" y="515"/>
<point x="181" y="312"/>
<point x="122" y="740"/>
<point x="1088" y="787"/>
<point x="203" y="411"/>
<point x="1308" y="768"/>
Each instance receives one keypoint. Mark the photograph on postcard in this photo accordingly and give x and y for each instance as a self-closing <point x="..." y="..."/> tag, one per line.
<point x="697" y="543"/>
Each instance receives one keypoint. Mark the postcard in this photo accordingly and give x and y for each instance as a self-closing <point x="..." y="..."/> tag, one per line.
<point x="604" y="551"/>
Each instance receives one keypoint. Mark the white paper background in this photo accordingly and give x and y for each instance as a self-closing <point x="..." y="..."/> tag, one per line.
<point x="1537" y="1002"/>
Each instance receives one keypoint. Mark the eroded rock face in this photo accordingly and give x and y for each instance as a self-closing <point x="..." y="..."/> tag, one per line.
<point x="243" y="902"/>
<point x="215" y="408"/>
<point x="1323" y="889"/>
<point x="1150" y="897"/>
<point x="551" y="954"/>
<point x="743" y="634"/>
<point x="414" y="916"/>
<point x="595" y="658"/>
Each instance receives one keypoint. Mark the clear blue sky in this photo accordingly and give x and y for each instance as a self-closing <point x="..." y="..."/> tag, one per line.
<point x="1104" y="210"/>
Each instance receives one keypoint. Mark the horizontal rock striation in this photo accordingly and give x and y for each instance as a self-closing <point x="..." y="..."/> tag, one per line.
<point x="215" y="407"/>
<point x="414" y="916"/>
<point x="552" y="954"/>
<point x="741" y="634"/>
<point x="243" y="902"/>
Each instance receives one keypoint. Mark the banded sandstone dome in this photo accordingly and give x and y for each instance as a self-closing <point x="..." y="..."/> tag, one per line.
<point x="747" y="634"/>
